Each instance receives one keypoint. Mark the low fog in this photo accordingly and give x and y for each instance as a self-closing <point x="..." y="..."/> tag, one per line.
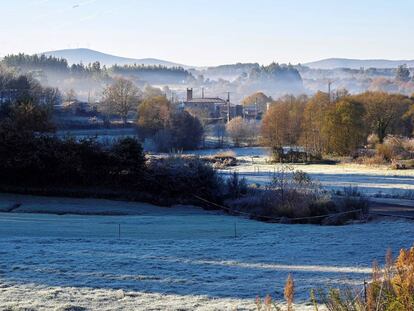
<point x="241" y="80"/>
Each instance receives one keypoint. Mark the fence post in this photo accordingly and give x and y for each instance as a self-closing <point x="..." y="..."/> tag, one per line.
<point x="235" y="230"/>
<point x="365" y="291"/>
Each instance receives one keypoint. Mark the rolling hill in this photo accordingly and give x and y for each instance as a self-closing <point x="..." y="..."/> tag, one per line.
<point x="331" y="63"/>
<point x="89" y="56"/>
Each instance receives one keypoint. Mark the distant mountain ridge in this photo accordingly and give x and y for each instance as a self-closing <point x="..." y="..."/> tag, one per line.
<point x="86" y="56"/>
<point x="331" y="63"/>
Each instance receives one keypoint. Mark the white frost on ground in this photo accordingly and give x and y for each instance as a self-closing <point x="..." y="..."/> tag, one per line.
<point x="370" y="180"/>
<point x="189" y="261"/>
<point x="60" y="205"/>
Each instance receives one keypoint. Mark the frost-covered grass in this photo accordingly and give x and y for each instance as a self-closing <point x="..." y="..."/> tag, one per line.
<point x="166" y="261"/>
<point x="369" y="180"/>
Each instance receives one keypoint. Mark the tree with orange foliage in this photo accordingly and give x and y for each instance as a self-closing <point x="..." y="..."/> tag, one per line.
<point x="282" y="124"/>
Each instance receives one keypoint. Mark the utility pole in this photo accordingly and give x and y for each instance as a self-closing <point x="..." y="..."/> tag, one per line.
<point x="228" y="107"/>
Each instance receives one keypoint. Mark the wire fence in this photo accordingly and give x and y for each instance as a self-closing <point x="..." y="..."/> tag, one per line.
<point x="231" y="211"/>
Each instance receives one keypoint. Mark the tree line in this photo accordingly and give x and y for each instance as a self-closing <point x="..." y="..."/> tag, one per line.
<point x="340" y="125"/>
<point x="33" y="159"/>
<point x="27" y="62"/>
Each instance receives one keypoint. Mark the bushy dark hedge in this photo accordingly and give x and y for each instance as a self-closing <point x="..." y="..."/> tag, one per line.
<point x="184" y="178"/>
<point x="46" y="164"/>
<point x="41" y="160"/>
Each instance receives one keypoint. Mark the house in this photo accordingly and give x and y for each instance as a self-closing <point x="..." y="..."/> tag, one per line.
<point x="76" y="107"/>
<point x="255" y="111"/>
<point x="211" y="108"/>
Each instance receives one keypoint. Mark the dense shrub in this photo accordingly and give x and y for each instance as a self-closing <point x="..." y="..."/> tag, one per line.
<point x="236" y="186"/>
<point x="290" y="194"/>
<point x="294" y="195"/>
<point x="42" y="160"/>
<point x="183" y="178"/>
<point x="186" y="130"/>
<point x="395" y="150"/>
<point x="387" y="151"/>
<point x="222" y="160"/>
<point x="34" y="161"/>
<point x="176" y="133"/>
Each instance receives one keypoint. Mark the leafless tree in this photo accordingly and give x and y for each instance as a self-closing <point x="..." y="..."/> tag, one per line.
<point x="121" y="98"/>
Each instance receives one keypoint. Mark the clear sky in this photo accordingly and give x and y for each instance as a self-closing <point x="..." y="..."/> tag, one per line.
<point x="211" y="32"/>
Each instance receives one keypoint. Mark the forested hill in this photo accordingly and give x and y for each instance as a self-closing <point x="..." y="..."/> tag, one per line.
<point x="332" y="63"/>
<point x="59" y="68"/>
<point x="155" y="74"/>
<point x="86" y="56"/>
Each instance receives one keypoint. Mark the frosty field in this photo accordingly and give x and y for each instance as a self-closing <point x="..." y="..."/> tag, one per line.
<point x="370" y="180"/>
<point x="173" y="258"/>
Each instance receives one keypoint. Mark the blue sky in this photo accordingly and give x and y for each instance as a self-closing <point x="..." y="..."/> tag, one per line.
<point x="211" y="32"/>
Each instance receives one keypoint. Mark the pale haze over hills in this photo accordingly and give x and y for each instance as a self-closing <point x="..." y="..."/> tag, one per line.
<point x="331" y="63"/>
<point x="88" y="56"/>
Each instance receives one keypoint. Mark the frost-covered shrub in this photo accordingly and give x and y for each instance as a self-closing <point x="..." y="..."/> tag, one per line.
<point x="408" y="144"/>
<point x="386" y="151"/>
<point x="225" y="154"/>
<point x="294" y="195"/>
<point x="350" y="203"/>
<point x="372" y="160"/>
<point x="291" y="194"/>
<point x="222" y="160"/>
<point x="352" y="191"/>
<point x="236" y="186"/>
<point x="394" y="148"/>
<point x="372" y="140"/>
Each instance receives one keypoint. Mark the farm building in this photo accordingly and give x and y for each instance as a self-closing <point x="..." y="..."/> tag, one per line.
<point x="211" y="108"/>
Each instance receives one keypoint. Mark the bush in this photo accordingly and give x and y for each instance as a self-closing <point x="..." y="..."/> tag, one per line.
<point x="222" y="160"/>
<point x="44" y="163"/>
<point x="294" y="195"/>
<point x="372" y="161"/>
<point x="395" y="150"/>
<point x="386" y="151"/>
<point x="29" y="160"/>
<point x="391" y="288"/>
<point x="183" y="179"/>
<point x="408" y="144"/>
<point x="372" y="140"/>
<point x="291" y="194"/>
<point x="236" y="187"/>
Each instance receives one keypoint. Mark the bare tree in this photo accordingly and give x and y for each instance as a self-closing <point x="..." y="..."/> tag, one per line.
<point x="238" y="130"/>
<point x="121" y="98"/>
<point x="70" y="95"/>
